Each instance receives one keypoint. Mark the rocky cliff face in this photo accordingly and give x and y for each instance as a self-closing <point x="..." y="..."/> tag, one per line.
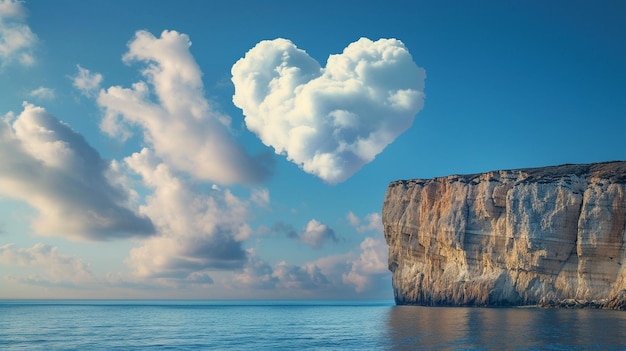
<point x="548" y="236"/>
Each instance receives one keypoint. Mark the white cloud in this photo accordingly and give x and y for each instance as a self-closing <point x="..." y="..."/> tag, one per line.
<point x="181" y="127"/>
<point x="197" y="233"/>
<point x="56" y="268"/>
<point x="315" y="234"/>
<point x="353" y="219"/>
<point x="86" y="82"/>
<point x="256" y="273"/>
<point x="42" y="93"/>
<point x="304" y="277"/>
<point x="370" y="265"/>
<point x="51" y="167"/>
<point x="260" y="197"/>
<point x="330" y="121"/>
<point x="362" y="270"/>
<point x="373" y="222"/>
<point x="285" y="278"/>
<point x="16" y="38"/>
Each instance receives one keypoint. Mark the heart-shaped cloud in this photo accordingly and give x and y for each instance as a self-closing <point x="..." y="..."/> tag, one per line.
<point x="330" y="121"/>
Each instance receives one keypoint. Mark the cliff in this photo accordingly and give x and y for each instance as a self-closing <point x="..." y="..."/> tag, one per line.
<point x="552" y="236"/>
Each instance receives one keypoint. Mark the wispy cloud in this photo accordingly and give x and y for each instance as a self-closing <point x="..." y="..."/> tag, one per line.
<point x="330" y="121"/>
<point x="42" y="93"/>
<point x="373" y="222"/>
<point x="55" y="269"/>
<point x="86" y="82"/>
<point x="51" y="167"/>
<point x="181" y="127"/>
<point x="16" y="38"/>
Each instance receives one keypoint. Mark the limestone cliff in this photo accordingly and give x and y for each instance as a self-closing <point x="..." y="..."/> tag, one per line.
<point x="548" y="236"/>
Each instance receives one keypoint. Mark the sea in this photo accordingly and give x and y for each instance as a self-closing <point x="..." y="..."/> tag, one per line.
<point x="299" y="325"/>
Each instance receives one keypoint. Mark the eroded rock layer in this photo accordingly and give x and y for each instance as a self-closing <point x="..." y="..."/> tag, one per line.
<point x="552" y="236"/>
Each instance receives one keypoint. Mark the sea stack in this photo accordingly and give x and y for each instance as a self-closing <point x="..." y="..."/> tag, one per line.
<point x="550" y="236"/>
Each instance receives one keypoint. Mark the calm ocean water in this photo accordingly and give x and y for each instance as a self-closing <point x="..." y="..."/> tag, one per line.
<point x="299" y="325"/>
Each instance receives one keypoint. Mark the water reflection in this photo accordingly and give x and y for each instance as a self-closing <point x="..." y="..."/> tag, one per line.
<point x="427" y="328"/>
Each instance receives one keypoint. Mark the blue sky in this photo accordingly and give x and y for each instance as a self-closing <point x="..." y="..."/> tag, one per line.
<point x="152" y="149"/>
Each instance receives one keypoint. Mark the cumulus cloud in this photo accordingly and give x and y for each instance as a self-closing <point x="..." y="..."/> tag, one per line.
<point x="307" y="277"/>
<point x="256" y="273"/>
<point x="56" y="268"/>
<point x="180" y="126"/>
<point x="315" y="234"/>
<point x="362" y="270"/>
<point x="197" y="232"/>
<point x="16" y="38"/>
<point x="330" y="121"/>
<point x="42" y="93"/>
<point x="370" y="265"/>
<point x="51" y="167"/>
<point x="373" y="222"/>
<point x="86" y="82"/>
<point x="284" y="277"/>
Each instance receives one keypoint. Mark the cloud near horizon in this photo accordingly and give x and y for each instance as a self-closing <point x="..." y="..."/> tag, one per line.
<point x="369" y="266"/>
<point x="330" y="121"/>
<point x="75" y="192"/>
<point x="287" y="278"/>
<point x="16" y="38"/>
<point x="197" y="232"/>
<point x="58" y="269"/>
<point x="180" y="126"/>
<point x="360" y="270"/>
